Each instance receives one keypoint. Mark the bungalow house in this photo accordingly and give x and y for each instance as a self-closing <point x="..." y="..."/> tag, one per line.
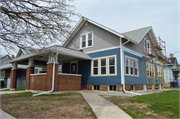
<point x="21" y="71"/>
<point x="93" y="57"/>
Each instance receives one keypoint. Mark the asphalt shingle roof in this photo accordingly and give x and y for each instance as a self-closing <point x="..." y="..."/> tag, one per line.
<point x="137" y="34"/>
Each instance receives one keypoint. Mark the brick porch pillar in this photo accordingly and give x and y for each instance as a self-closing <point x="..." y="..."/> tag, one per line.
<point x="29" y="70"/>
<point x="13" y="76"/>
<point x="50" y="71"/>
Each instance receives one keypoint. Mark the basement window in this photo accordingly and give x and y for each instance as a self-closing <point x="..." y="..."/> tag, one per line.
<point x="112" y="87"/>
<point x="96" y="87"/>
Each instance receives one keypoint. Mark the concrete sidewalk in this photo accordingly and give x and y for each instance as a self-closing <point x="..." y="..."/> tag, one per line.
<point x="4" y="115"/>
<point x="10" y="92"/>
<point x="103" y="109"/>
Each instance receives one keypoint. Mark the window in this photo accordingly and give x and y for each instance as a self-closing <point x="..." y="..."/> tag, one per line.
<point x="127" y="65"/>
<point x="150" y="70"/>
<point x="83" y="41"/>
<point x="112" y="87"/>
<point x="95" y="67"/>
<point x="86" y="40"/>
<point x="104" y="66"/>
<point x="96" y="87"/>
<point x="89" y="39"/>
<point x="131" y="66"/>
<point x="111" y="65"/>
<point x="132" y="87"/>
<point x="148" y="46"/>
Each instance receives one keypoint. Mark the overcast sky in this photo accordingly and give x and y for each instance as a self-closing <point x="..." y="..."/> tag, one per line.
<point x="126" y="15"/>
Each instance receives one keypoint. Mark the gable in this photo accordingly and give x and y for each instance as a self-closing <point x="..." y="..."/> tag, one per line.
<point x="5" y="59"/>
<point x="101" y="38"/>
<point x="20" y="53"/>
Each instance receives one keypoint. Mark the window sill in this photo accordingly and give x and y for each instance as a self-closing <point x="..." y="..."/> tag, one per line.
<point x="131" y="75"/>
<point x="104" y="75"/>
<point x="86" y="47"/>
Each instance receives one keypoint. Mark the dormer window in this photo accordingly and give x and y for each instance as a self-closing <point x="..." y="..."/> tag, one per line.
<point x="86" y="40"/>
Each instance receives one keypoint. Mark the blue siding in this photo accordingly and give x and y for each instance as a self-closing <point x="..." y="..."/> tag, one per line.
<point x="85" y="69"/>
<point x="66" y="67"/>
<point x="142" y="79"/>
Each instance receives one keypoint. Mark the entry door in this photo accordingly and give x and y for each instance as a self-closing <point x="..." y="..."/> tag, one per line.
<point x="73" y="68"/>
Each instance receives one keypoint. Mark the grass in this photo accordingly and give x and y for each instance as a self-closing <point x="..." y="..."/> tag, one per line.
<point x="157" y="105"/>
<point x="16" y="89"/>
<point x="24" y="105"/>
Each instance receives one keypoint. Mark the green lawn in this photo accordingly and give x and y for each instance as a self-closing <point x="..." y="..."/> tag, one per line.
<point x="157" y="105"/>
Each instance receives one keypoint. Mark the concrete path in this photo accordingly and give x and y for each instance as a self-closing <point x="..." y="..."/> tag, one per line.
<point x="4" y="115"/>
<point x="10" y="92"/>
<point x="103" y="109"/>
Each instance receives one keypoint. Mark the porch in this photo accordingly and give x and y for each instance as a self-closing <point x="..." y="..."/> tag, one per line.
<point x="51" y="61"/>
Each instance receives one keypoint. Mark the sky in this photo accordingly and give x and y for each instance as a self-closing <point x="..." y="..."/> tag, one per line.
<point x="127" y="15"/>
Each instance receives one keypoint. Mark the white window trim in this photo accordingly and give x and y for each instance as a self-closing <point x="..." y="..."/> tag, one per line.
<point x="86" y="40"/>
<point x="133" y="67"/>
<point x="107" y="66"/>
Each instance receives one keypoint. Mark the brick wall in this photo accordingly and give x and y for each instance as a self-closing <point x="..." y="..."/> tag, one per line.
<point x="86" y="87"/>
<point x="103" y="87"/>
<point x="67" y="83"/>
<point x="128" y="87"/>
<point x="29" y="70"/>
<point x="13" y="80"/>
<point x="119" y="88"/>
<point x="138" y="87"/>
<point x="38" y="82"/>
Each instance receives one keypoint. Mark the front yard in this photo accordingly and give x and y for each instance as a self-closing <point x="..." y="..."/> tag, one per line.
<point x="69" y="105"/>
<point x="157" y="105"/>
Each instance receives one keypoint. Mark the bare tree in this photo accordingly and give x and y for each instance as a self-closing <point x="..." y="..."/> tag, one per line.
<point x="32" y="24"/>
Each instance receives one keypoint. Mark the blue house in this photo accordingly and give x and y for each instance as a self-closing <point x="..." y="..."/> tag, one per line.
<point x="93" y="57"/>
<point x="116" y="57"/>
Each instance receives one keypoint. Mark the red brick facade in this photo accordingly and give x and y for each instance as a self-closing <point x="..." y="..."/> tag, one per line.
<point x="119" y="88"/>
<point x="29" y="70"/>
<point x="13" y="80"/>
<point x="61" y="82"/>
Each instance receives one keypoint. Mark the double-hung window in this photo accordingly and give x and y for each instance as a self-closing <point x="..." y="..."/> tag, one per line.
<point x="86" y="40"/>
<point x="104" y="66"/>
<point x="131" y="66"/>
<point x="95" y="67"/>
<point x="150" y="70"/>
<point x="111" y="65"/>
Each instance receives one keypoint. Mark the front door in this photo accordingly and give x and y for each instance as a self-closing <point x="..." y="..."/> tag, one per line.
<point x="73" y="68"/>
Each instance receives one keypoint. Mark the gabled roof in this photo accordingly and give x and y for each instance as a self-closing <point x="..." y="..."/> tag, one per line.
<point x="138" y="34"/>
<point x="81" y="22"/>
<point x="5" y="56"/>
<point x="172" y="61"/>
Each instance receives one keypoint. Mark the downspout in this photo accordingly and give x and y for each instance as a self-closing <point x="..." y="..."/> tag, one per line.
<point x="122" y="66"/>
<point x="52" y="78"/>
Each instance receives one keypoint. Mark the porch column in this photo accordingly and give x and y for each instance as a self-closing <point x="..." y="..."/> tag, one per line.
<point x="29" y="70"/>
<point x="13" y="76"/>
<point x="50" y="71"/>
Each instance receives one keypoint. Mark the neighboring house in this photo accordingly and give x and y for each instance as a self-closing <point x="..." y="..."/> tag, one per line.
<point x="173" y="68"/>
<point x="92" y="58"/>
<point x="21" y="71"/>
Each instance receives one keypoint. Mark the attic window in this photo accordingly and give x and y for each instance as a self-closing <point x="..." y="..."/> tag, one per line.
<point x="86" y="40"/>
<point x="169" y="61"/>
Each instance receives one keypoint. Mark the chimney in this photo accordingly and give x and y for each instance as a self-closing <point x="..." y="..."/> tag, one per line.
<point x="171" y="55"/>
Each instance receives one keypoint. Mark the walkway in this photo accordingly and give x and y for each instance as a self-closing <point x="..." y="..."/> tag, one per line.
<point x="102" y="108"/>
<point x="9" y="92"/>
<point x="4" y="115"/>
